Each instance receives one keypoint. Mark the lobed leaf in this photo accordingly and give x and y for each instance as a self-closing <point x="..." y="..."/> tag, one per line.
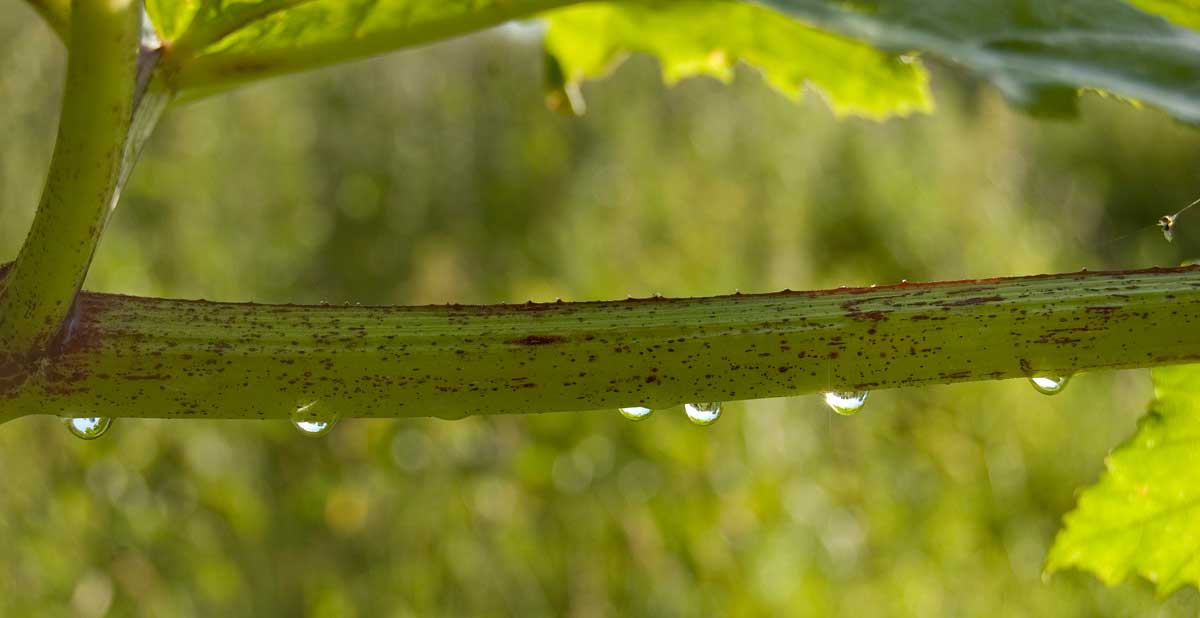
<point x="1182" y="12"/>
<point x="1143" y="516"/>
<point x="708" y="38"/>
<point x="1040" y="54"/>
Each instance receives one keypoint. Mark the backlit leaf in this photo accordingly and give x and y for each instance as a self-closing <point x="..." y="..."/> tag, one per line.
<point x="708" y="38"/>
<point x="1038" y="53"/>
<point x="1182" y="12"/>
<point x="1143" y="516"/>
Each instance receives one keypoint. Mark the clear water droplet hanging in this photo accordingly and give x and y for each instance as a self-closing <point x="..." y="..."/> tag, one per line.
<point x="846" y="403"/>
<point x="88" y="427"/>
<point x="1048" y="385"/>
<point x="312" y="421"/>
<point x="635" y="413"/>
<point x="703" y="413"/>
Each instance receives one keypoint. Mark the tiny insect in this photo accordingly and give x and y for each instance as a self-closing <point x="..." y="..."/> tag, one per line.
<point x="1167" y="222"/>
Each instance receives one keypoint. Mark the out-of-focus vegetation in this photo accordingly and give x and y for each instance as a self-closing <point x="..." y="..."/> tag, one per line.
<point x="437" y="175"/>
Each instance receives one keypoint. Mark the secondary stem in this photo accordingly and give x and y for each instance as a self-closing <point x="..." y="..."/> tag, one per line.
<point x="83" y="181"/>
<point x="168" y="358"/>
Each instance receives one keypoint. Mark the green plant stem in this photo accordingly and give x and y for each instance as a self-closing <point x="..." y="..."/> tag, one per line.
<point x="83" y="181"/>
<point x="168" y="358"/>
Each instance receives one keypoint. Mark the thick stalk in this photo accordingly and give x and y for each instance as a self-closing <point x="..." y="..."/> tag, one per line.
<point x="83" y="181"/>
<point x="168" y="358"/>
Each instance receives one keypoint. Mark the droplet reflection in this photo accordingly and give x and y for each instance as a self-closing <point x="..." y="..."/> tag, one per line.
<point x="703" y="413"/>
<point x="846" y="403"/>
<point x="1047" y="385"/>
<point x="635" y="413"/>
<point x="88" y="427"/>
<point x="311" y="421"/>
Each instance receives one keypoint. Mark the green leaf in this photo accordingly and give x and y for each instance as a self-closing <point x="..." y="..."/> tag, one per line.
<point x="708" y="38"/>
<point x="1038" y="53"/>
<point x="213" y="44"/>
<point x="1144" y="515"/>
<point x="1183" y="12"/>
<point x="171" y="17"/>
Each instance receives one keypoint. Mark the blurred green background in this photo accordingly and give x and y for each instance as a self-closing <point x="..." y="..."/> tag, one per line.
<point x="437" y="175"/>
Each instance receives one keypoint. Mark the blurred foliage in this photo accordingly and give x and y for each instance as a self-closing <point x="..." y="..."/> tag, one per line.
<point x="437" y="175"/>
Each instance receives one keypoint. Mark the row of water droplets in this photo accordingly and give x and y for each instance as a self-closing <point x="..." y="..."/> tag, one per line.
<point x="306" y="419"/>
<point x="92" y="427"/>
<point x="846" y="403"/>
<point x="698" y="413"/>
<point x="707" y="413"/>
<point x="311" y="423"/>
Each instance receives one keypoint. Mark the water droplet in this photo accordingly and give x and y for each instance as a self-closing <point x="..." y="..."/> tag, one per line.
<point x="88" y="427"/>
<point x="313" y="428"/>
<point x="312" y="421"/>
<point x="1047" y="385"/>
<point x="703" y="413"/>
<point x="635" y="413"/>
<point x="846" y="403"/>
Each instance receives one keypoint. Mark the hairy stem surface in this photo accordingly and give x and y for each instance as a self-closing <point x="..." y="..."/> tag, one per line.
<point x="168" y="358"/>
<point x="83" y="181"/>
